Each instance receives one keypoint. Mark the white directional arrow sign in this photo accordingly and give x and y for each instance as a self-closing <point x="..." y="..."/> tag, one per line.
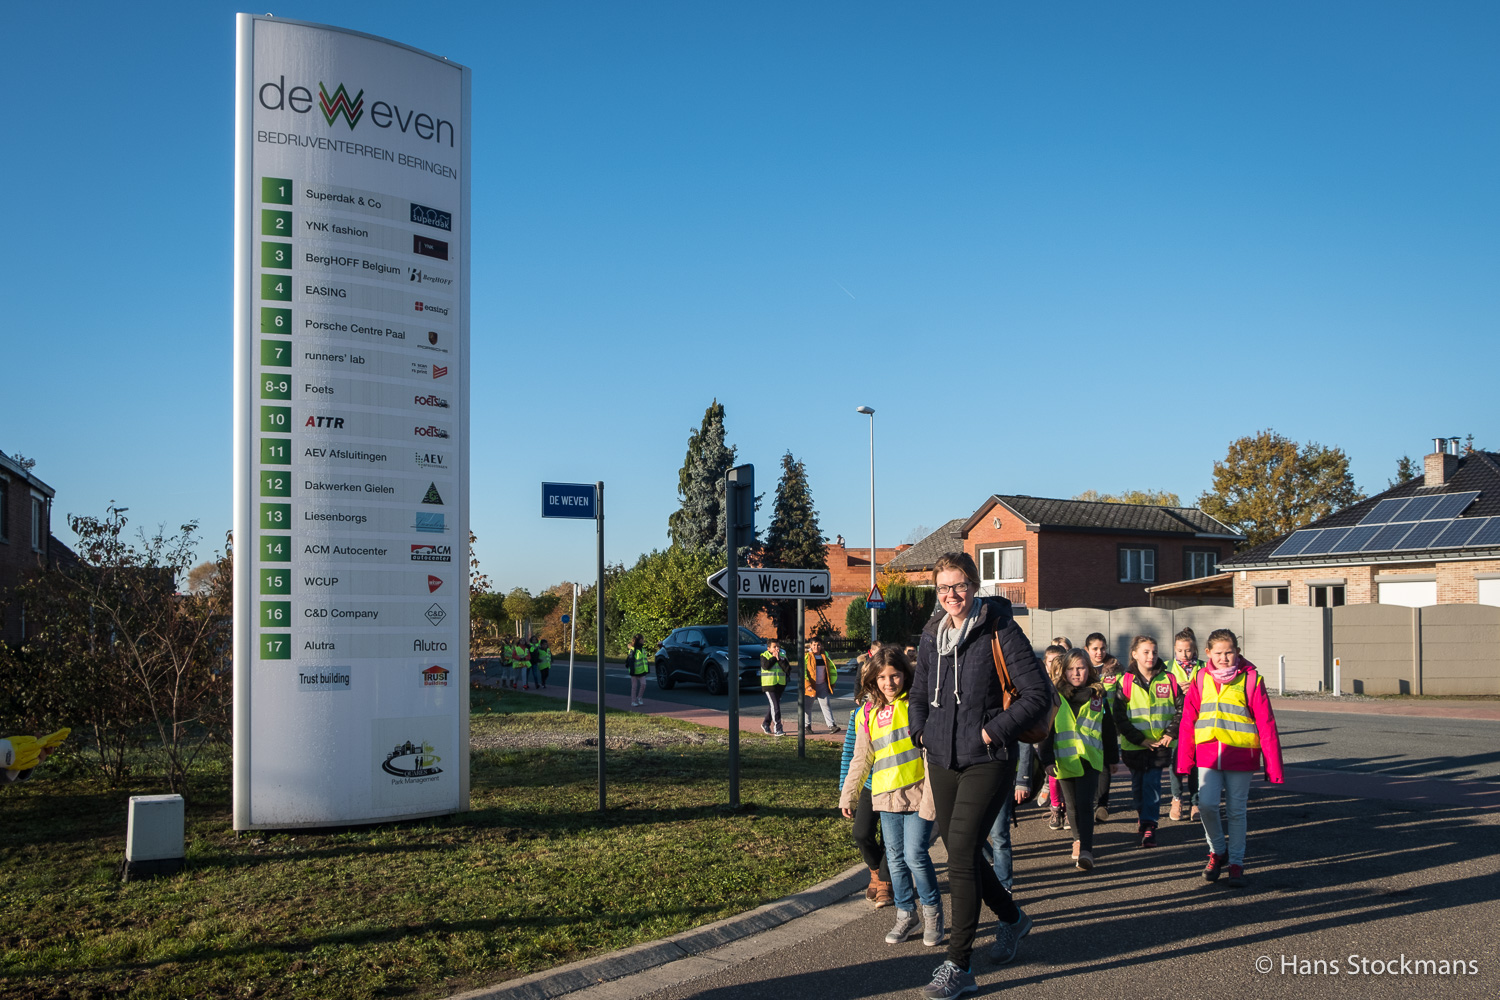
<point x="777" y="584"/>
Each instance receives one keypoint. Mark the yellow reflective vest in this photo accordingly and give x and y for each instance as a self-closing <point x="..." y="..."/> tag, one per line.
<point x="1185" y="673"/>
<point x="810" y="672"/>
<point x="1225" y="713"/>
<point x="1078" y="738"/>
<point x="897" y="762"/>
<point x="1151" y="707"/>
<point x="772" y="670"/>
<point x="638" y="661"/>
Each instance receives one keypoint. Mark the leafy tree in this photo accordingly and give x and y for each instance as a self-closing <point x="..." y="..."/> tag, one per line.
<point x="1267" y="486"/>
<point x="1406" y="471"/>
<point x="857" y="622"/>
<point x="486" y="619"/>
<point x="614" y="618"/>
<point x="1146" y="498"/>
<point x="1469" y="446"/>
<point x="520" y="607"/>
<point x="698" y="524"/>
<point x="667" y="589"/>
<point x="793" y="540"/>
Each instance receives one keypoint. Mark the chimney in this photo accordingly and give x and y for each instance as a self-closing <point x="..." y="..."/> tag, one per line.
<point x="1439" y="467"/>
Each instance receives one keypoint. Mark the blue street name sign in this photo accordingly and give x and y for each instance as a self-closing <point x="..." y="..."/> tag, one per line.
<point x="568" y="500"/>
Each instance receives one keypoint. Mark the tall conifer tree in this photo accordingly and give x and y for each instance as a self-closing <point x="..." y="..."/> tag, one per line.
<point x="697" y="526"/>
<point x="794" y="540"/>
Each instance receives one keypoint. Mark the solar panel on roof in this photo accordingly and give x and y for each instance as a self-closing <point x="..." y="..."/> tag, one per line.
<point x="1326" y="540"/>
<point x="1451" y="505"/>
<point x="1356" y="538"/>
<point x="1386" y="538"/>
<point x="1417" y="509"/>
<point x="1457" y="533"/>
<point x="1487" y="535"/>
<point x="1295" y="543"/>
<point x="1384" y="511"/>
<point x="1421" y="535"/>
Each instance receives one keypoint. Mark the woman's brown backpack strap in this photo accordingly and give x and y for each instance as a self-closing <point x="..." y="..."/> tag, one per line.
<point x="1009" y="693"/>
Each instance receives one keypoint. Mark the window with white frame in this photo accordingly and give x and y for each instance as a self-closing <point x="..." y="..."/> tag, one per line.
<point x="4" y="509"/>
<point x="1137" y="565"/>
<point x="37" y="507"/>
<point x="1199" y="564"/>
<point x="1006" y="565"/>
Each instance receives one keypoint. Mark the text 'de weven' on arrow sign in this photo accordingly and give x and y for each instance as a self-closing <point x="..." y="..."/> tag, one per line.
<point x="777" y="584"/>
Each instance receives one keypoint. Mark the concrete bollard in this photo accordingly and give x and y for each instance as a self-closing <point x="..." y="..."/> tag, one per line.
<point x="154" y="837"/>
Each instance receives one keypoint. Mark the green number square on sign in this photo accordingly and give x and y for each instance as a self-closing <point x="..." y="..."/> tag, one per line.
<point x="276" y="419"/>
<point x="274" y="320"/>
<point x="275" y="387"/>
<point x="275" y="223"/>
<point x="276" y="516"/>
<point x="275" y="483"/>
<point x="275" y="451"/>
<point x="276" y="548"/>
<point x="275" y="581"/>
<point x="276" y="190"/>
<point x="277" y="353"/>
<point x="275" y="614"/>
<point x="276" y="646"/>
<point x="275" y="254"/>
<point x="276" y="287"/>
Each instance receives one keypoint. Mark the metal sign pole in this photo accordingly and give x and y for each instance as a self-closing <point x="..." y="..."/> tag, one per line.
<point x="572" y="645"/>
<point x="802" y="694"/>
<point x="732" y="559"/>
<point x="599" y="629"/>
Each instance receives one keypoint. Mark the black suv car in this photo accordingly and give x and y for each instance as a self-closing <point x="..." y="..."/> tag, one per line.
<point x="701" y="653"/>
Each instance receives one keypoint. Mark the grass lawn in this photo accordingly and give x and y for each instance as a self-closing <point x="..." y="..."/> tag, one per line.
<point x="530" y="878"/>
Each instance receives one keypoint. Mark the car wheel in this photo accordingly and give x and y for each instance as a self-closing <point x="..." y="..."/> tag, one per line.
<point x="713" y="679"/>
<point x="664" y="678"/>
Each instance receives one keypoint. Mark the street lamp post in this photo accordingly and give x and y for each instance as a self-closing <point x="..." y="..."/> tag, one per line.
<point x="870" y="412"/>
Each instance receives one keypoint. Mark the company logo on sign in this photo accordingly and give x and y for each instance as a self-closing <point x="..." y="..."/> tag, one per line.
<point x="436" y="218"/>
<point x="431" y="400"/>
<point x="431" y="553"/>
<point x="421" y="307"/>
<point x="340" y="103"/>
<point x="430" y="521"/>
<point x="331" y="423"/>
<point x="429" y="247"/>
<point x="411" y="760"/>
<point x="435" y="614"/>
<point x="438" y="371"/>
<point x="432" y="495"/>
<point x="431" y="460"/>
<point x="429" y="432"/>
<point x="435" y="676"/>
<point x="433" y="583"/>
<point x="432" y="337"/>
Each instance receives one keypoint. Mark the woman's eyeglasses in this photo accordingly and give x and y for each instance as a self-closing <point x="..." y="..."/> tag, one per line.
<point x="958" y="588"/>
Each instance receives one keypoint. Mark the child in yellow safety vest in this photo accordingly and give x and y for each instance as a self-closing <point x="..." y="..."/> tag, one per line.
<point x="883" y="748"/>
<point x="1081" y="748"/>
<point x="638" y="663"/>
<point x="772" y="684"/>
<point x="1227" y="730"/>
<point x="1145" y="714"/>
<point x="517" y="663"/>
<point x="1108" y="669"/>
<point x="1184" y="666"/>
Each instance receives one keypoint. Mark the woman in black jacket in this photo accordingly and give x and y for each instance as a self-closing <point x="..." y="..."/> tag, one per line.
<point x="971" y="744"/>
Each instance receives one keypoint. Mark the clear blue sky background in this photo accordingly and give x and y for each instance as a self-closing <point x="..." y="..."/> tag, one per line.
<point x="1057" y="247"/>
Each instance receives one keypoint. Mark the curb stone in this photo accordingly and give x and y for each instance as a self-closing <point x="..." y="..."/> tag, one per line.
<point x="686" y="944"/>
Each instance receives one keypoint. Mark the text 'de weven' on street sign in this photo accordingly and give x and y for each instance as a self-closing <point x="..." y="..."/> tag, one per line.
<point x="777" y="584"/>
<point x="568" y="500"/>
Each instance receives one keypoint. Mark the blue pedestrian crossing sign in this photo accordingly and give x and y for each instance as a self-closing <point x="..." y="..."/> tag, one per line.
<point x="876" y="599"/>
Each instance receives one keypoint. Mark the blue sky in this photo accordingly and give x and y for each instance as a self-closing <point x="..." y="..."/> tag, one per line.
<point x="1057" y="247"/>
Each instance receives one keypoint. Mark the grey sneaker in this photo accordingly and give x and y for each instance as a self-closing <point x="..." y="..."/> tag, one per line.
<point x="932" y="925"/>
<point x="1008" y="938"/>
<point x="949" y="982"/>
<point x="906" y="926"/>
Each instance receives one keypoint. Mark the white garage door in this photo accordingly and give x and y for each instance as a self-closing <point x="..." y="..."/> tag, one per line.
<point x="1411" y="595"/>
<point x="1489" y="592"/>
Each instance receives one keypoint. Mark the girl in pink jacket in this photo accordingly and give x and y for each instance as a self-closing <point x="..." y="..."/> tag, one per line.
<point x="1227" y="727"/>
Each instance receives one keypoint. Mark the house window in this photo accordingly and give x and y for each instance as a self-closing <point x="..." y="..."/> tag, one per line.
<point x="4" y="510"/>
<point x="1002" y="566"/>
<point x="1137" y="565"/>
<point x="1325" y="597"/>
<point x="36" y="523"/>
<point x="1274" y="595"/>
<point x="1199" y="564"/>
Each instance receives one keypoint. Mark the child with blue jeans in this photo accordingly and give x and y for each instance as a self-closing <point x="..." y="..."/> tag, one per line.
<point x="883" y="748"/>
<point x="1145" y="714"/>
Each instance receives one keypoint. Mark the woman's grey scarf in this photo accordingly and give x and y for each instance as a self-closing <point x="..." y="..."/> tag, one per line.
<point x="949" y="639"/>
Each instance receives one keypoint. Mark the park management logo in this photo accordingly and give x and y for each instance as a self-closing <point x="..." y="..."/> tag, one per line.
<point x="340" y="103"/>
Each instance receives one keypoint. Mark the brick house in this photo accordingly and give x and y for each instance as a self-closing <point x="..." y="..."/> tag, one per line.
<point x="26" y="542"/>
<point x="1046" y="553"/>
<point x="1432" y="540"/>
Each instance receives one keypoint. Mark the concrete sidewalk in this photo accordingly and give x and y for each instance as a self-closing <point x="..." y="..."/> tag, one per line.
<point x="1420" y="708"/>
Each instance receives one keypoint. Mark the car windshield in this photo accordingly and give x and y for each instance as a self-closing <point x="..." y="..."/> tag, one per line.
<point x="719" y="636"/>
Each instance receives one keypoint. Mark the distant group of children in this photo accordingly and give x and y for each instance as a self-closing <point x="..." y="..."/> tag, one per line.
<point x="522" y="664"/>
<point x="1206" y="723"/>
